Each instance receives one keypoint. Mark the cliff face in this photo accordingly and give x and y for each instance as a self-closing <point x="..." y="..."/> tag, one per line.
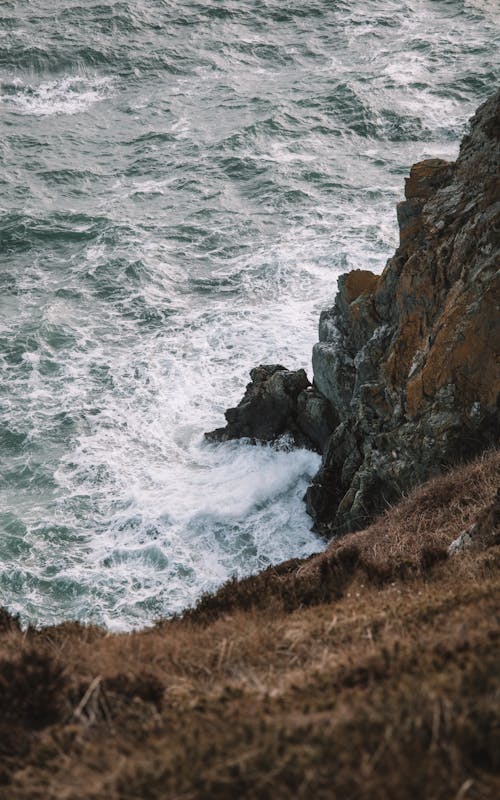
<point x="410" y="360"/>
<point x="407" y="367"/>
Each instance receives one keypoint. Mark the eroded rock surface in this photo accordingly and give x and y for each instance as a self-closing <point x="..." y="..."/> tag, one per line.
<point x="410" y="360"/>
<point x="278" y="402"/>
<point x="407" y="367"/>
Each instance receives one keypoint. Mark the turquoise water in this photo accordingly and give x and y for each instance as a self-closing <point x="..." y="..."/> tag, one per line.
<point x="181" y="183"/>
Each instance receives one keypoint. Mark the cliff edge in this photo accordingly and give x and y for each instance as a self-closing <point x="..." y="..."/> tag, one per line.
<point x="407" y="367"/>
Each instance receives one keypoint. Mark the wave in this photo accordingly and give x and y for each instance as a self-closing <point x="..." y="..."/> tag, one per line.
<point x="69" y="95"/>
<point x="182" y="183"/>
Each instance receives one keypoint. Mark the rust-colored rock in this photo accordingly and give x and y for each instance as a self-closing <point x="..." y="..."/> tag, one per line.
<point x="410" y="361"/>
<point x="407" y="367"/>
<point x="425" y="177"/>
<point x="357" y="282"/>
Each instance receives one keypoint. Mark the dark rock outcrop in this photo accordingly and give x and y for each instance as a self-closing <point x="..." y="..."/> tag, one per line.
<point x="410" y="360"/>
<point x="407" y="367"/>
<point x="278" y="402"/>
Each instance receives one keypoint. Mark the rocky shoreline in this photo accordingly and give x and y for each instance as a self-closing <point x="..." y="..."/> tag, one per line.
<point x="368" y="670"/>
<point x="406" y="372"/>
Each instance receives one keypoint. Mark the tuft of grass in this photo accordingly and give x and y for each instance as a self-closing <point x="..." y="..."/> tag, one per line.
<point x="9" y="622"/>
<point x="32" y="689"/>
<point x="144" y="686"/>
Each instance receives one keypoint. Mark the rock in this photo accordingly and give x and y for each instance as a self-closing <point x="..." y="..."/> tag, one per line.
<point x="410" y="360"/>
<point x="407" y="367"/>
<point x="343" y="331"/>
<point x="269" y="408"/>
<point x="315" y="418"/>
<point x="279" y="402"/>
<point x="484" y="533"/>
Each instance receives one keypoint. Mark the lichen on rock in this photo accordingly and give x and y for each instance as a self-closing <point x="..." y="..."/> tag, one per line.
<point x="411" y="363"/>
<point x="407" y="366"/>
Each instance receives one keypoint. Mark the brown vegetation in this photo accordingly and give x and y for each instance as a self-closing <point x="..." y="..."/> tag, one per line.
<point x="370" y="671"/>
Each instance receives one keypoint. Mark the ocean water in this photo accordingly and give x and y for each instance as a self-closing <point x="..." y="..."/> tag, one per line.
<point x="181" y="183"/>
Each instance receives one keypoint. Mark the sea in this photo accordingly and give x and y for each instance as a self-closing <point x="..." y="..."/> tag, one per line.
<point x="181" y="184"/>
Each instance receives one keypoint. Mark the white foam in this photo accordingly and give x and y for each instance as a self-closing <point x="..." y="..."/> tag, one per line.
<point x="124" y="513"/>
<point x="69" y="95"/>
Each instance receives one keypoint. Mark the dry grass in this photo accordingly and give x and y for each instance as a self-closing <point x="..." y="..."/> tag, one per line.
<point x="370" y="672"/>
<point x="432" y="515"/>
<point x="407" y="542"/>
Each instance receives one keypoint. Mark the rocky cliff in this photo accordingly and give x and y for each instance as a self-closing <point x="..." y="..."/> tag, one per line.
<point x="407" y="367"/>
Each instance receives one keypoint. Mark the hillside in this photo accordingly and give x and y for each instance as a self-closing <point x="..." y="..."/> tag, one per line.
<point x="370" y="671"/>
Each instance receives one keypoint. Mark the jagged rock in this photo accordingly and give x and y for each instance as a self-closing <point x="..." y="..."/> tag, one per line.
<point x="315" y="417"/>
<point x="410" y="360"/>
<point x="269" y="408"/>
<point x="484" y="533"/>
<point x="279" y="402"/>
<point x="407" y="367"/>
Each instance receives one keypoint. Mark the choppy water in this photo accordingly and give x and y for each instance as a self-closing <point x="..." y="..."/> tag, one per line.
<point x="180" y="185"/>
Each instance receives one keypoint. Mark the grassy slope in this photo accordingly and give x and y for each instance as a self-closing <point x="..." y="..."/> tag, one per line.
<point x="371" y="671"/>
